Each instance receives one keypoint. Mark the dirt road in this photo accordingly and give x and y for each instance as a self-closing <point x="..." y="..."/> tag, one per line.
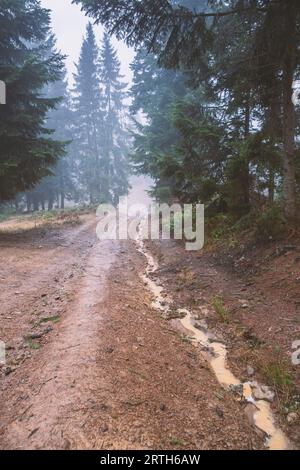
<point x="91" y="364"/>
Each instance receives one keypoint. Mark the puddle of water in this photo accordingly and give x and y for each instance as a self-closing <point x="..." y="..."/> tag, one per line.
<point x="264" y="420"/>
<point x="216" y="353"/>
<point x="161" y="302"/>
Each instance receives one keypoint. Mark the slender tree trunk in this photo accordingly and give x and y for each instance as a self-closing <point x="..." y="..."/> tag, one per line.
<point x="289" y="124"/>
<point x="244" y="175"/>
<point x="289" y="117"/>
<point x="28" y="202"/>
<point x="50" y="203"/>
<point x="36" y="205"/>
<point x="97" y="166"/>
<point x="271" y="185"/>
<point x="62" y="190"/>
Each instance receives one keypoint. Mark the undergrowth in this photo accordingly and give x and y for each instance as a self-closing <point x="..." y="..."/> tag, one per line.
<point x="219" y="307"/>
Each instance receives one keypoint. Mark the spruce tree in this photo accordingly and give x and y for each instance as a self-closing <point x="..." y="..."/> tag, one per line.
<point x="181" y="143"/>
<point x="115" y="138"/>
<point x="88" y="120"/>
<point x="58" y="186"/>
<point x="27" y="150"/>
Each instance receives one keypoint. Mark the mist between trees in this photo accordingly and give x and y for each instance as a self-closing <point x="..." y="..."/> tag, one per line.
<point x="59" y="144"/>
<point x="223" y="128"/>
<point x="214" y="82"/>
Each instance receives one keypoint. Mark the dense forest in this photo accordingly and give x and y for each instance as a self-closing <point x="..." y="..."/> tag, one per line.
<point x="58" y="143"/>
<point x="216" y="82"/>
<point x="214" y="115"/>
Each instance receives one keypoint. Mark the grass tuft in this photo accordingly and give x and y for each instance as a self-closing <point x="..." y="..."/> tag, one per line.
<point x="219" y="307"/>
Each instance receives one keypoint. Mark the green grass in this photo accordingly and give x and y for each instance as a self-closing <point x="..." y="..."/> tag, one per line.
<point x="220" y="309"/>
<point x="48" y="215"/>
<point x="279" y="375"/>
<point x="33" y="345"/>
<point x="186" y="339"/>
<point x="174" y="441"/>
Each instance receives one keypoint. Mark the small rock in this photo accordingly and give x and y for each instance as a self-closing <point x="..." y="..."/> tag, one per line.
<point x="219" y="412"/>
<point x="250" y="371"/>
<point x="263" y="393"/>
<point x="104" y="428"/>
<point x="238" y="389"/>
<point x="202" y="326"/>
<point x="67" y="444"/>
<point x="9" y="370"/>
<point x="292" y="418"/>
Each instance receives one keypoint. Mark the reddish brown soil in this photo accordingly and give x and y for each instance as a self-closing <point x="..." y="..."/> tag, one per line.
<point x="90" y="364"/>
<point x="260" y="288"/>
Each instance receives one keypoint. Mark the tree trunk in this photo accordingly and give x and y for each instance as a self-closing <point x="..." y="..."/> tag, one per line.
<point x="50" y="204"/>
<point x="244" y="175"/>
<point x="289" y="118"/>
<point x="62" y="200"/>
<point x="36" y="204"/>
<point x="289" y="124"/>
<point x="271" y="185"/>
<point x="28" y="202"/>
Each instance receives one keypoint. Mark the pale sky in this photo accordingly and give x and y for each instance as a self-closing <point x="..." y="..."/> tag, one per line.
<point x="69" y="24"/>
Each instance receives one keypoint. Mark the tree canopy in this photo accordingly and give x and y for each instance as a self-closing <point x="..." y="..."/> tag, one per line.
<point x="245" y="54"/>
<point x="27" y="149"/>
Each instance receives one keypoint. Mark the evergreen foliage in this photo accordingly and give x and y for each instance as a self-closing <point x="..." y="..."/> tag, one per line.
<point x="242" y="56"/>
<point x="27" y="149"/>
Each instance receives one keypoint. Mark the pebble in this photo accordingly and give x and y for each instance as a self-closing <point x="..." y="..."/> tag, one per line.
<point x="292" y="418"/>
<point x="250" y="371"/>
<point x="262" y="392"/>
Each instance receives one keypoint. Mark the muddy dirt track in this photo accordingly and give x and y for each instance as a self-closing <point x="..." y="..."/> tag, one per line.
<point x="91" y="364"/>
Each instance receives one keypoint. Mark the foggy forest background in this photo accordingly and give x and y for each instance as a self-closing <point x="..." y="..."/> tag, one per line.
<point x="212" y="115"/>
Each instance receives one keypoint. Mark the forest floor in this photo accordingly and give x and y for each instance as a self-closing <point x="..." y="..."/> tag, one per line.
<point x="91" y="364"/>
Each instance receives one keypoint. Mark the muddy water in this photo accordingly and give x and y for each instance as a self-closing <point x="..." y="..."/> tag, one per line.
<point x="215" y="352"/>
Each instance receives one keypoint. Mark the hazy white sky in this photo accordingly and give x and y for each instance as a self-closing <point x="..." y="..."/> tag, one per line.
<point x="69" y="25"/>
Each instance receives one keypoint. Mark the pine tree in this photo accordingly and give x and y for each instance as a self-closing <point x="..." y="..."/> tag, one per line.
<point x="61" y="120"/>
<point x="114" y="148"/>
<point x="27" y="150"/>
<point x="180" y="145"/>
<point x="55" y="188"/>
<point x="88" y="116"/>
<point x="154" y="92"/>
